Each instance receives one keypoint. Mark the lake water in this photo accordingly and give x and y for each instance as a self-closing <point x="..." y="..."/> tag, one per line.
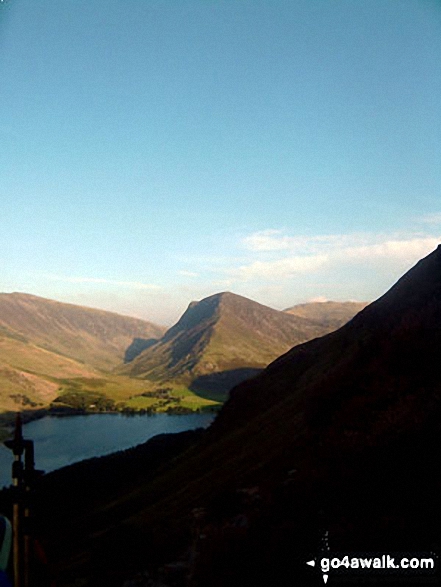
<point x="61" y="441"/>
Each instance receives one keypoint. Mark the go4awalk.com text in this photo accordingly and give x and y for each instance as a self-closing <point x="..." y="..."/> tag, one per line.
<point x="401" y="565"/>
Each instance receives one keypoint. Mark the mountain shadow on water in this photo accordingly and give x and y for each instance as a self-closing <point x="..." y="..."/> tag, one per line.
<point x="221" y="381"/>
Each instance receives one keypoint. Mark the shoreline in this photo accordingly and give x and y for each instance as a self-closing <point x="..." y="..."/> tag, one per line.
<point x="118" y="449"/>
<point x="7" y="419"/>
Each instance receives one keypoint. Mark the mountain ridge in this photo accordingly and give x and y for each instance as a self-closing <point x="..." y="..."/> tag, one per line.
<point x="57" y="326"/>
<point x="222" y="333"/>
<point x="333" y="314"/>
<point x="45" y="345"/>
<point x="48" y="347"/>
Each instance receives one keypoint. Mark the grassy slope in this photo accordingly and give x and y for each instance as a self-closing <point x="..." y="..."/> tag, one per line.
<point x="47" y="347"/>
<point x="29" y="373"/>
<point x="249" y="334"/>
<point x="95" y="337"/>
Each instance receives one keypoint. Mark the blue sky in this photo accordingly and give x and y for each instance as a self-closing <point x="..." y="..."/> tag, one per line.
<point x="155" y="152"/>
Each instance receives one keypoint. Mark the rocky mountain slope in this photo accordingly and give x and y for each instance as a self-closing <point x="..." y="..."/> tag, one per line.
<point x="222" y="340"/>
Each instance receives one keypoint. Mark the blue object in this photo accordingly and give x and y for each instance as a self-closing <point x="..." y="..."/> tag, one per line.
<point x="5" y="542"/>
<point x="4" y="581"/>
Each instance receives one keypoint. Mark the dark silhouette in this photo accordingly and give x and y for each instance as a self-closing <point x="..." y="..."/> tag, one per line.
<point x="137" y="346"/>
<point x="221" y="381"/>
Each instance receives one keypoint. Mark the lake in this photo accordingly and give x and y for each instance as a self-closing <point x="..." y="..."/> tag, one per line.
<point x="61" y="441"/>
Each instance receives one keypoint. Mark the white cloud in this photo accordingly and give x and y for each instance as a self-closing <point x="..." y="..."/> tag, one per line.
<point x="318" y="299"/>
<point x="275" y="240"/>
<point x="309" y="255"/>
<point x="407" y="250"/>
<point x="434" y="219"/>
<point x="99" y="280"/>
<point x="278" y="270"/>
<point x="281" y="268"/>
<point x="267" y="240"/>
<point x="188" y="273"/>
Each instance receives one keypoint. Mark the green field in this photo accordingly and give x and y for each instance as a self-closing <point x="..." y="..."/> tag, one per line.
<point x="176" y="398"/>
<point x="125" y="394"/>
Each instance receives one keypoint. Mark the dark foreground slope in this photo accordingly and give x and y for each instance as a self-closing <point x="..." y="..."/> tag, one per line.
<point x="341" y="434"/>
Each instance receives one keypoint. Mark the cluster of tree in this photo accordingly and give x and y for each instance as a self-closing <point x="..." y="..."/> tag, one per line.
<point x="131" y="411"/>
<point x="160" y="393"/>
<point x="84" y="401"/>
<point x="24" y="400"/>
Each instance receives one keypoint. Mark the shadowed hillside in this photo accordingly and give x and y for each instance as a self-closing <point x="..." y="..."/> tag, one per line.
<point x="342" y="433"/>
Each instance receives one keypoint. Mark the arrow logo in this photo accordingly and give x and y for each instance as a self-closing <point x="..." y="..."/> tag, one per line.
<point x="312" y="564"/>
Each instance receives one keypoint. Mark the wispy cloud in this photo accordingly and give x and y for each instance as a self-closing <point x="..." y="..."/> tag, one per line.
<point x="405" y="249"/>
<point x="188" y="273"/>
<point x="99" y="280"/>
<point x="431" y="219"/>
<point x="275" y="240"/>
<point x="309" y="255"/>
<point x="280" y="268"/>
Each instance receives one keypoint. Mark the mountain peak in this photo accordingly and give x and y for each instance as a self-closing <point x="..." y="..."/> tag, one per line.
<point x="208" y="308"/>
<point x="416" y="290"/>
<point x="222" y="335"/>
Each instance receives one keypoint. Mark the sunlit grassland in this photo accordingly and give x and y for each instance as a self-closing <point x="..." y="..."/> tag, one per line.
<point x="28" y="357"/>
<point x="175" y="398"/>
<point x="103" y="391"/>
<point x="136" y="394"/>
<point x="116" y="387"/>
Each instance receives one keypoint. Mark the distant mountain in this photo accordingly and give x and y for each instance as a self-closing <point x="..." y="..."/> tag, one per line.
<point x="329" y="314"/>
<point x="30" y="376"/>
<point x="221" y="340"/>
<point x="43" y="341"/>
<point x="96" y="337"/>
<point x="339" y="438"/>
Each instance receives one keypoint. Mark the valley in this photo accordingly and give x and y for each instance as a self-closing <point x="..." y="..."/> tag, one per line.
<point x="341" y="435"/>
<point x="61" y="358"/>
